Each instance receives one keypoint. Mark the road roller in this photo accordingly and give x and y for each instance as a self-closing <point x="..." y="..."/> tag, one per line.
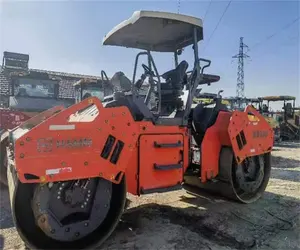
<point x="70" y="169"/>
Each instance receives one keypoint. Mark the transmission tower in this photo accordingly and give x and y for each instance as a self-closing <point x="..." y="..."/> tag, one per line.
<point x="240" y="74"/>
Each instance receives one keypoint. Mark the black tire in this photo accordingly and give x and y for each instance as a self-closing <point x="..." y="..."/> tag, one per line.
<point x="226" y="185"/>
<point x="35" y="238"/>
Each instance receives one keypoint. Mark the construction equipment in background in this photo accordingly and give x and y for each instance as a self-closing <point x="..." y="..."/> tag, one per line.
<point x="31" y="93"/>
<point x="97" y="151"/>
<point x="297" y="116"/>
<point x="43" y="89"/>
<point x="288" y="119"/>
<point x="208" y="99"/>
<point x="239" y="103"/>
<point x="99" y="88"/>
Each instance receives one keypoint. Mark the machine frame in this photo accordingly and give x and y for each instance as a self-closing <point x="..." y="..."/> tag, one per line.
<point x="105" y="149"/>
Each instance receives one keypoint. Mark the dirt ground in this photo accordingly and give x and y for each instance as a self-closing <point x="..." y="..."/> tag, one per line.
<point x="177" y="220"/>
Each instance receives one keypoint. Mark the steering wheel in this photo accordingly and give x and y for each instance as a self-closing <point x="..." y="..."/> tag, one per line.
<point x="147" y="70"/>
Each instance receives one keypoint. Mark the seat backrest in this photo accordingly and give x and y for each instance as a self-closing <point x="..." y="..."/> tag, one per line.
<point x="176" y="75"/>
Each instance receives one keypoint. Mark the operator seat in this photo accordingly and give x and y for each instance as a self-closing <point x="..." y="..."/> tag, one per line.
<point x="175" y="76"/>
<point x="171" y="89"/>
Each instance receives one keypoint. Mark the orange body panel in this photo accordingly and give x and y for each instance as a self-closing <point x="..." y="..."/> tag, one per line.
<point x="40" y="117"/>
<point x="215" y="137"/>
<point x="72" y="143"/>
<point x="136" y="176"/>
<point x="59" y="156"/>
<point x="151" y="178"/>
<point x="249" y="136"/>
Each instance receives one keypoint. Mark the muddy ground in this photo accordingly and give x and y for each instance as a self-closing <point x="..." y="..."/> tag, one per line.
<point x="177" y="220"/>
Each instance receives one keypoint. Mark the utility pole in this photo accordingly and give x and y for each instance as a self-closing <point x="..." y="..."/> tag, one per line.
<point x="178" y="6"/>
<point x="240" y="74"/>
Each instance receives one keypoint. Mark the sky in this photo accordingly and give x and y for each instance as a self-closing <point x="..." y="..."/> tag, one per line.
<point x="67" y="36"/>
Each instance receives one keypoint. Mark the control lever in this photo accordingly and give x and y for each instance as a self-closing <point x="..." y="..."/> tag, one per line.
<point x="205" y="66"/>
<point x="140" y="82"/>
<point x="218" y="99"/>
<point x="219" y="94"/>
<point x="103" y="74"/>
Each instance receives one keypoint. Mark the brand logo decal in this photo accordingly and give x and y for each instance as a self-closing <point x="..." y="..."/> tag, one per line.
<point x="260" y="134"/>
<point x="47" y="144"/>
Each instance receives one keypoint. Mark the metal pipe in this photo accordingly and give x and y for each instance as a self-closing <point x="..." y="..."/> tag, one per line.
<point x="285" y="112"/>
<point x="151" y="82"/>
<point x="293" y="110"/>
<point x="158" y="84"/>
<point x="194" y="84"/>
<point x="149" y="62"/>
<point x="176" y="59"/>
<point x="196" y="55"/>
<point x="133" y="89"/>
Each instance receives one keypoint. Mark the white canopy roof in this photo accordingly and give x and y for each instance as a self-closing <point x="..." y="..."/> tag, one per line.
<point x="155" y="31"/>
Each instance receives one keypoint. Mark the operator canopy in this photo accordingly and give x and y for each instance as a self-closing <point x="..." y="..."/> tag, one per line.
<point x="155" y="31"/>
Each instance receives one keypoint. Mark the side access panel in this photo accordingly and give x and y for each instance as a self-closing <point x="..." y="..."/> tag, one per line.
<point x="215" y="137"/>
<point x="250" y="134"/>
<point x="83" y="141"/>
<point x="160" y="162"/>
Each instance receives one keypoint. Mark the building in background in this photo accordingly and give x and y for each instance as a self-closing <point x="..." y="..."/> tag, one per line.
<point x="24" y="92"/>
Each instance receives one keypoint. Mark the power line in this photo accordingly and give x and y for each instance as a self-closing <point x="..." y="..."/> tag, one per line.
<point x="274" y="34"/>
<point x="218" y="24"/>
<point x="268" y="52"/>
<point x="207" y="10"/>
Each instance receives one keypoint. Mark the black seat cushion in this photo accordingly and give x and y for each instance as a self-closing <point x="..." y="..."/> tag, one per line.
<point x="171" y="89"/>
<point x="176" y="75"/>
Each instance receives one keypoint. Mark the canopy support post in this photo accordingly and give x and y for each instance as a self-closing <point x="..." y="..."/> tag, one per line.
<point x="176" y="59"/>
